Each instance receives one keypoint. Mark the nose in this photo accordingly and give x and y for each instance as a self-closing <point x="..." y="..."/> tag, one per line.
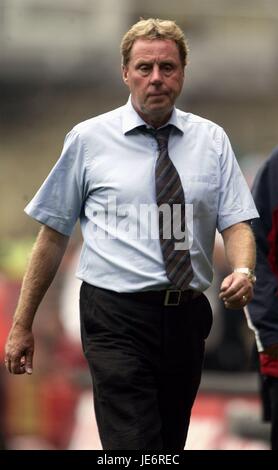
<point x="156" y="75"/>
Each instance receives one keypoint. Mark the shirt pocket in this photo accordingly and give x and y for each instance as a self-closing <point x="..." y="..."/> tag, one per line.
<point x="201" y="192"/>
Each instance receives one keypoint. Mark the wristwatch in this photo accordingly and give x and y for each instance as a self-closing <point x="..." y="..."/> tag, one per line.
<point x="248" y="272"/>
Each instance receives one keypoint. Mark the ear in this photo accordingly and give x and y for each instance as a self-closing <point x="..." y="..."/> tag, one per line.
<point x="125" y="74"/>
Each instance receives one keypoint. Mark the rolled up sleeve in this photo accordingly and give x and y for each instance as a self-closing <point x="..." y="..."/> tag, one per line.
<point x="235" y="200"/>
<point x="59" y="201"/>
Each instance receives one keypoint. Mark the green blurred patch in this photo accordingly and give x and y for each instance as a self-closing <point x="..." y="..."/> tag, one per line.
<point x="14" y="255"/>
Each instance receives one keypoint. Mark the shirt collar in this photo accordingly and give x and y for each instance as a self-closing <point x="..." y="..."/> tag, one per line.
<point x="131" y="119"/>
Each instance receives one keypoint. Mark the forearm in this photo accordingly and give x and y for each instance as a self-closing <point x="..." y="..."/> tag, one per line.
<point x="45" y="259"/>
<point x="237" y="288"/>
<point x="240" y="246"/>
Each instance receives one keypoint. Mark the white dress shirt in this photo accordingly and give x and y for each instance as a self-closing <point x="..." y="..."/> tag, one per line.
<point x="106" y="178"/>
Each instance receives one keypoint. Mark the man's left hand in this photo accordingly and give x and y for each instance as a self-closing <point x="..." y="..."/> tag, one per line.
<point x="236" y="291"/>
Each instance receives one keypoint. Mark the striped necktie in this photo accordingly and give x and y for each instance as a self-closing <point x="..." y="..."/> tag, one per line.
<point x="171" y="202"/>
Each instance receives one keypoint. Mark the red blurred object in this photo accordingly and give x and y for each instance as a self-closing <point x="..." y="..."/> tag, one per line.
<point x="268" y="365"/>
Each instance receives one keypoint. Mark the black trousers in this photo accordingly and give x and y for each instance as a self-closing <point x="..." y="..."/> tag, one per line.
<point x="146" y="361"/>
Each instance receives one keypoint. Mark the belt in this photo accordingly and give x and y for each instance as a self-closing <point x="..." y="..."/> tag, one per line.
<point x="168" y="297"/>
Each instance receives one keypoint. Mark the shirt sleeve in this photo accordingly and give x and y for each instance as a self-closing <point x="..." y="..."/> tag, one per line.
<point x="59" y="201"/>
<point x="235" y="200"/>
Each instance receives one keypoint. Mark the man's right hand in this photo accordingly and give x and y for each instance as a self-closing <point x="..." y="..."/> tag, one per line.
<point x="46" y="257"/>
<point x="19" y="351"/>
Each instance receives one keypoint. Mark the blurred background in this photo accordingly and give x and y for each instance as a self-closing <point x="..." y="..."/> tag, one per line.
<point x="60" y="64"/>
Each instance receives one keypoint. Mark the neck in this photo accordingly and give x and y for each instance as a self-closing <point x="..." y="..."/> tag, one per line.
<point x="156" y="123"/>
<point x="155" y="120"/>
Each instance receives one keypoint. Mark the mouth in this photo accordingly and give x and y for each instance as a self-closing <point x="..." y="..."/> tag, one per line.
<point x="156" y="95"/>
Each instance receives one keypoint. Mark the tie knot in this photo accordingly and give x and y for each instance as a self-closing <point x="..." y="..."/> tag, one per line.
<point x="161" y="135"/>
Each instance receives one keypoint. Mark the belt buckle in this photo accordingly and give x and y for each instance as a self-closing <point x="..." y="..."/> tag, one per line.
<point x="176" y="296"/>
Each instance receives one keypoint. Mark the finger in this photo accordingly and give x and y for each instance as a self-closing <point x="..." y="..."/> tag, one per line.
<point x="29" y="362"/>
<point x="17" y="370"/>
<point x="236" y="293"/>
<point x="233" y="305"/>
<point x="22" y="365"/>
<point x="8" y="364"/>
<point x="18" y="365"/>
<point x="236" y="285"/>
<point x="237" y="304"/>
<point x="232" y="290"/>
<point x="226" y="283"/>
<point x="232" y="295"/>
<point x="21" y="369"/>
<point x="241" y="296"/>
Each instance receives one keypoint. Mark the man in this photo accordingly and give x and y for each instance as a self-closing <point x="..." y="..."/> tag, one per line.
<point x="144" y="318"/>
<point x="263" y="309"/>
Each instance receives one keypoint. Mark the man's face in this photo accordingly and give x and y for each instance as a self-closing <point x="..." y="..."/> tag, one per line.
<point x="154" y="75"/>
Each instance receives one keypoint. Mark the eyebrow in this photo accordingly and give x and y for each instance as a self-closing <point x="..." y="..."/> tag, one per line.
<point x="149" y="61"/>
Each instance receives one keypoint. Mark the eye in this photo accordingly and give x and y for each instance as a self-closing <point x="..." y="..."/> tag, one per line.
<point x="144" y="68"/>
<point x="167" y="68"/>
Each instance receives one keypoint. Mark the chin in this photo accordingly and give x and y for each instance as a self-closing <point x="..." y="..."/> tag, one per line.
<point x="159" y="110"/>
